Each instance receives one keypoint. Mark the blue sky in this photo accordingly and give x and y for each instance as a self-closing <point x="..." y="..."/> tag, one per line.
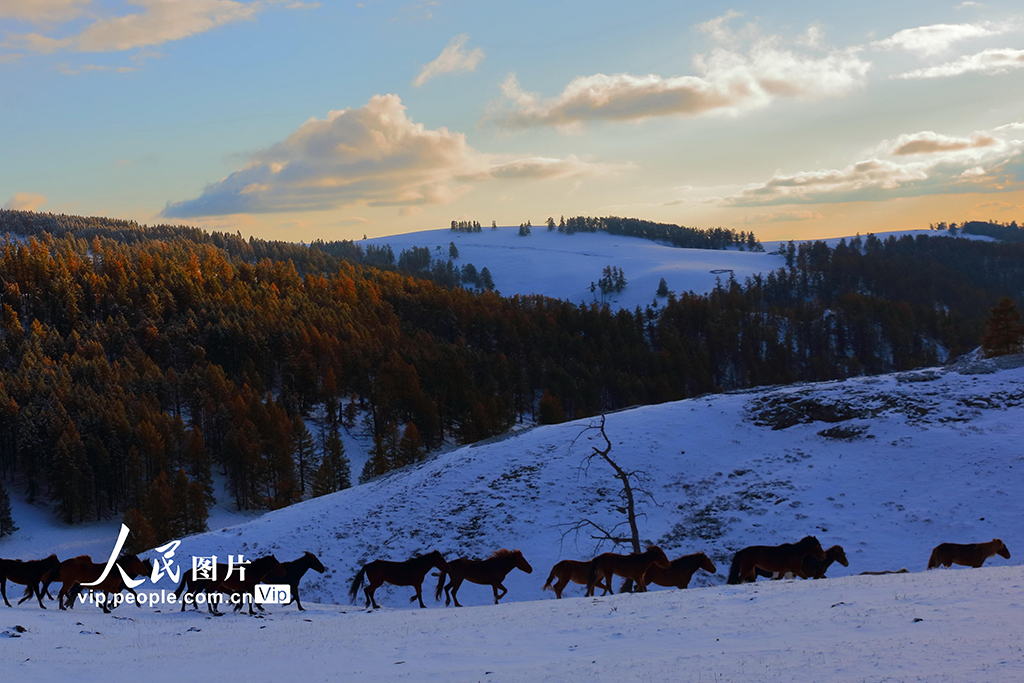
<point x="304" y="120"/>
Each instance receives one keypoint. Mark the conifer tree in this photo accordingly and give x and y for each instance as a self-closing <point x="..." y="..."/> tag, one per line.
<point x="1004" y="332"/>
<point x="305" y="451"/>
<point x="662" y="288"/>
<point x="6" y="520"/>
<point x="379" y="462"/>
<point x="410" y="447"/>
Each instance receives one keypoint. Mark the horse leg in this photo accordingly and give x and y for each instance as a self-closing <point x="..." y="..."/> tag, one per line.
<point x="455" y="585"/>
<point x="419" y="595"/>
<point x="3" y="591"/>
<point x="370" y="590"/>
<point x="295" y="597"/>
<point x="559" y="586"/>
<point x="496" y="595"/>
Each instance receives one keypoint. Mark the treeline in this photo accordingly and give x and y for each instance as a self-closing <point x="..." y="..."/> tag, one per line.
<point x="130" y="370"/>
<point x="676" y="235"/>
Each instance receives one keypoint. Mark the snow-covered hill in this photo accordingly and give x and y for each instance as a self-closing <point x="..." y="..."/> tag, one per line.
<point x="563" y="266"/>
<point x="887" y="467"/>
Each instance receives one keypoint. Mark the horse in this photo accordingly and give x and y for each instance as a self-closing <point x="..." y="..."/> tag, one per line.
<point x="255" y="572"/>
<point x="408" y="573"/>
<point x="490" y="572"/>
<point x="78" y="570"/>
<point x="967" y="554"/>
<point x="781" y="559"/>
<point x="813" y="568"/>
<point x="295" y="569"/>
<point x="677" y="575"/>
<point x="633" y="566"/>
<point x="29" y="574"/>
<point x="574" y="571"/>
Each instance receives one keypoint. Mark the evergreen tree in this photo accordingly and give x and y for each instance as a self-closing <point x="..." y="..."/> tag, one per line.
<point x="1003" y="331"/>
<point x="410" y="447"/>
<point x="662" y="288"/>
<point x="379" y="462"/>
<point x="6" y="521"/>
<point x="453" y="251"/>
<point x="551" y="223"/>
<point x="305" y="451"/>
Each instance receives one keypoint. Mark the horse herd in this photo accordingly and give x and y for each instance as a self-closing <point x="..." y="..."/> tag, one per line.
<point x="805" y="559"/>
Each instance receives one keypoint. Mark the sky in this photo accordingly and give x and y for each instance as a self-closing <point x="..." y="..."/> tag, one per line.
<point x="330" y="120"/>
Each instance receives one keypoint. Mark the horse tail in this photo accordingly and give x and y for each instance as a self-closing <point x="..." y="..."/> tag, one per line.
<point x="551" y="577"/>
<point x="933" y="561"/>
<point x="627" y="586"/>
<point x="440" y="585"/>
<point x="734" y="570"/>
<point x="356" y="583"/>
<point x="592" y="577"/>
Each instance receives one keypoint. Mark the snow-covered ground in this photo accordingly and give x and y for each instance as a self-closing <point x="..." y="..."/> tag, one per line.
<point x="563" y="266"/>
<point x="902" y="463"/>
<point x="951" y="626"/>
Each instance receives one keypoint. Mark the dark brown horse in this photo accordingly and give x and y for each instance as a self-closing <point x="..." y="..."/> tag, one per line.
<point x="781" y="559"/>
<point x="79" y="570"/>
<point x="813" y="568"/>
<point x="408" y="573"/>
<point x="633" y="567"/>
<point x="490" y="572"/>
<point x="967" y="554"/>
<point x="29" y="574"/>
<point x="677" y="575"/>
<point x="574" y="571"/>
<point x="255" y="573"/>
<point x="294" y="571"/>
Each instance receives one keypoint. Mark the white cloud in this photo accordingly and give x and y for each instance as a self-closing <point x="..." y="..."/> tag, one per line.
<point x="453" y="59"/>
<point x="931" y="40"/>
<point x="26" y="201"/>
<point x="995" y="61"/>
<point x="730" y="83"/>
<point x="42" y="11"/>
<point x="374" y="155"/>
<point x="939" y="164"/>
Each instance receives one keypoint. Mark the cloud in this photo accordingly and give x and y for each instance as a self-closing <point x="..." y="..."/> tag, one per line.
<point x="928" y="142"/>
<point x="26" y="201"/>
<point x="374" y="155"/>
<point x="931" y="40"/>
<point x="995" y="61"/>
<point x="729" y="82"/>
<point x="939" y="164"/>
<point x="779" y="217"/>
<point x="157" y="22"/>
<point x="999" y="207"/>
<point x="453" y="59"/>
<point x="42" y="11"/>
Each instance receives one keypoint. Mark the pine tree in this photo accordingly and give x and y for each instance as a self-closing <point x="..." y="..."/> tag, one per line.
<point x="551" y="223"/>
<point x="662" y="288"/>
<point x="410" y="447"/>
<point x="379" y="461"/>
<point x="305" y="451"/>
<point x="453" y="251"/>
<point x="1003" y="331"/>
<point x="6" y="521"/>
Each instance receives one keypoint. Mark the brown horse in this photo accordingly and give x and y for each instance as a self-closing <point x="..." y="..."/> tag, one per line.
<point x="813" y="568"/>
<point x="677" y="575"/>
<point x="255" y="572"/>
<point x="576" y="572"/>
<point x="29" y="574"/>
<point x="408" y="573"/>
<point x="490" y="572"/>
<point x="295" y="569"/>
<point x="78" y="570"/>
<point x="967" y="554"/>
<point x="633" y="567"/>
<point x="781" y="559"/>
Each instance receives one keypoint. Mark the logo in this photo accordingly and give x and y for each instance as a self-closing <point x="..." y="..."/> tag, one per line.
<point x="274" y="593"/>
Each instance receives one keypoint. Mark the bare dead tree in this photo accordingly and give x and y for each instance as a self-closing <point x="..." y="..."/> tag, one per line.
<point x="633" y="482"/>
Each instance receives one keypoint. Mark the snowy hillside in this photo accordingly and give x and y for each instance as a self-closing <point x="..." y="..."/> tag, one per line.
<point x="887" y="467"/>
<point x="563" y="266"/>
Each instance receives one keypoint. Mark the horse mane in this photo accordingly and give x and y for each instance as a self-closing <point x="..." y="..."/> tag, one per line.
<point x="504" y="552"/>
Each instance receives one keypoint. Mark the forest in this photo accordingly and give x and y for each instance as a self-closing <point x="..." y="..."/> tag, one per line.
<point x="135" y="360"/>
